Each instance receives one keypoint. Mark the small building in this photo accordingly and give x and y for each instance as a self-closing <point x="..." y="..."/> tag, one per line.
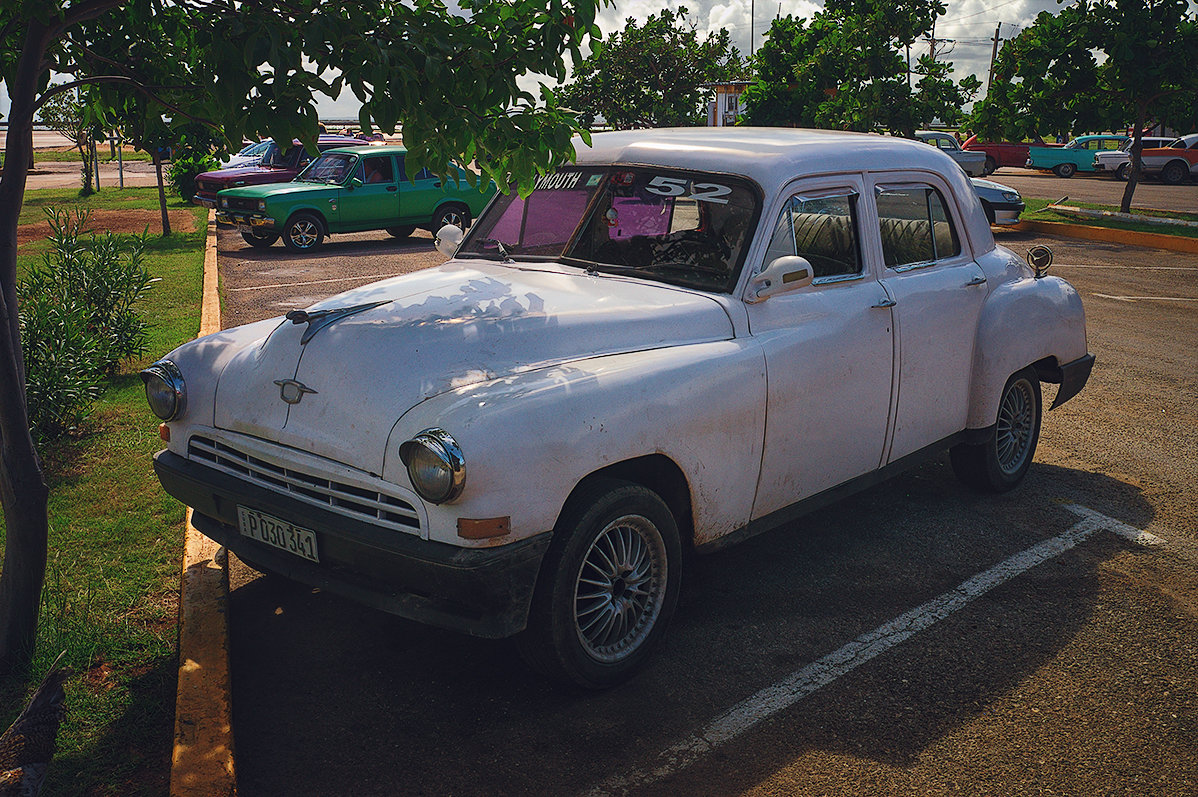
<point x="723" y="110"/>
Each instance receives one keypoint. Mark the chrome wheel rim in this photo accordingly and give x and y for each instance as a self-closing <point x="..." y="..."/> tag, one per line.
<point x="1016" y="423"/>
<point x="303" y="233"/>
<point x="454" y="218"/>
<point x="620" y="589"/>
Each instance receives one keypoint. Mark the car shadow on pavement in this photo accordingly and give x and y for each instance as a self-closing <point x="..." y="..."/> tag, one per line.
<point x="333" y="698"/>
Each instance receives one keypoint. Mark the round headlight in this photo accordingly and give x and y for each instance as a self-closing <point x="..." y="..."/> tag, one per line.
<point x="224" y="202"/>
<point x="261" y="204"/>
<point x="435" y="465"/>
<point x="165" y="390"/>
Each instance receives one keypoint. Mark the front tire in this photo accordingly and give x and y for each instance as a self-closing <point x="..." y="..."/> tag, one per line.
<point x="303" y="233"/>
<point x="989" y="211"/>
<point x="608" y="587"/>
<point x="401" y="231"/>
<point x="1064" y="170"/>
<point x="1174" y="173"/>
<point x="1122" y="172"/>
<point x="1000" y="463"/>
<point x="260" y="240"/>
<point x="990" y="166"/>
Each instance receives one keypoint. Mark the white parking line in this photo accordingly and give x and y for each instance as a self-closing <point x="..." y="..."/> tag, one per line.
<point x="363" y="278"/>
<point x="1146" y="298"/>
<point x="785" y="693"/>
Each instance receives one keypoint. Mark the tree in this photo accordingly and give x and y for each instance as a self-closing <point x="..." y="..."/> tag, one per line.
<point x="66" y="114"/>
<point x="448" y="76"/>
<point x="846" y="69"/>
<point x="653" y="75"/>
<point x="1097" y="65"/>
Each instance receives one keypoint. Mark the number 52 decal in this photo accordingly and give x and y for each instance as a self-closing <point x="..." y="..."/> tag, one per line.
<point x="676" y="186"/>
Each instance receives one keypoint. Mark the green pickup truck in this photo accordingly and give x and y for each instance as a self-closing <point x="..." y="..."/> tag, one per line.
<point x="350" y="189"/>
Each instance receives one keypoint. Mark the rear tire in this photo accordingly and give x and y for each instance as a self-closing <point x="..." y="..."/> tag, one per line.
<point x="1064" y="170"/>
<point x="260" y="241"/>
<point x="1000" y="463"/>
<point x="607" y="588"/>
<point x="456" y="215"/>
<point x="1174" y="173"/>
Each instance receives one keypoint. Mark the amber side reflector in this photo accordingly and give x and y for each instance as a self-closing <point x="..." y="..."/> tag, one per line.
<point x="164" y="432"/>
<point x="483" y="528"/>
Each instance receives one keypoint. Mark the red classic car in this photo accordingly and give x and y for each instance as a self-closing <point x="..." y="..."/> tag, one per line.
<point x="277" y="166"/>
<point x="998" y="153"/>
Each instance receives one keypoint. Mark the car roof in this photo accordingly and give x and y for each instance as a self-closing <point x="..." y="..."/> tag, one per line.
<point x="361" y="148"/>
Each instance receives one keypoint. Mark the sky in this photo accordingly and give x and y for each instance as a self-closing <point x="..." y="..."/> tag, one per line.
<point x="968" y="26"/>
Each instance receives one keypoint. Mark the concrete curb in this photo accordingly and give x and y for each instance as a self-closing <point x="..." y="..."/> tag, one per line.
<point x="202" y="760"/>
<point x="1153" y="240"/>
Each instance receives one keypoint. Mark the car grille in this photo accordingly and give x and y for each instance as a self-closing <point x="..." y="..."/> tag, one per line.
<point x="207" y="186"/>
<point x="241" y="203"/>
<point x="345" y="499"/>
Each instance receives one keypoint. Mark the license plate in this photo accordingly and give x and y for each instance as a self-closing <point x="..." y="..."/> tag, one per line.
<point x="277" y="533"/>
<point x="244" y="228"/>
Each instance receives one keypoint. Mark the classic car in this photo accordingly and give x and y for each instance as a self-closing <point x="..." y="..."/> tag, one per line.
<point x="1117" y="162"/>
<point x="1001" y="203"/>
<point x="350" y="189"/>
<point x="1076" y="156"/>
<point x="1174" y="162"/>
<point x="684" y="338"/>
<point x="973" y="163"/>
<point x="277" y="165"/>
<point x="998" y="153"/>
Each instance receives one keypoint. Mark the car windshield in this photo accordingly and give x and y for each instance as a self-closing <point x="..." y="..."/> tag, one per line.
<point x="683" y="228"/>
<point x="329" y="168"/>
<point x="256" y="149"/>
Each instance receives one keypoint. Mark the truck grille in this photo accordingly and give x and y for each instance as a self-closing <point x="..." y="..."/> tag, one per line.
<point x="345" y="499"/>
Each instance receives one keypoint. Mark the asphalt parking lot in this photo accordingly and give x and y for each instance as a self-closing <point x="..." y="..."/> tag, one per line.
<point x="915" y="639"/>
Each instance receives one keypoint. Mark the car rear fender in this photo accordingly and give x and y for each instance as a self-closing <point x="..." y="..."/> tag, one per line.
<point x="1024" y="322"/>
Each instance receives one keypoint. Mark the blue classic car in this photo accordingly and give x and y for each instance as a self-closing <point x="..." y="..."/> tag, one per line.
<point x="1076" y="156"/>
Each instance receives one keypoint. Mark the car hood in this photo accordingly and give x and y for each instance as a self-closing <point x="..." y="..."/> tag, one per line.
<point x="247" y="175"/>
<point x="277" y="189"/>
<point x="404" y="340"/>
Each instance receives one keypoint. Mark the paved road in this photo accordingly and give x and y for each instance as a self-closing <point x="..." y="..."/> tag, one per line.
<point x="1078" y="676"/>
<point x="1099" y="189"/>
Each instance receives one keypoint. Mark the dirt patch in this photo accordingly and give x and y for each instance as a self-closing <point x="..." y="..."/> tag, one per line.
<point x="122" y="221"/>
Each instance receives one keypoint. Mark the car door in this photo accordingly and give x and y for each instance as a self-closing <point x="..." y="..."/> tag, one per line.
<point x="375" y="203"/>
<point x="419" y="198"/>
<point x="828" y="349"/>
<point x="938" y="291"/>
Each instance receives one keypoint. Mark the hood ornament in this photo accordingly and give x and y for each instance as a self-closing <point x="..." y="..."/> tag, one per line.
<point x="292" y="391"/>
<point x="319" y="319"/>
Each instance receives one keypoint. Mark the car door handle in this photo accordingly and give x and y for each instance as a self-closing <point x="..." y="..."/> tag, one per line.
<point x="392" y="188"/>
<point x="887" y="302"/>
<point x="976" y="281"/>
<point x="437" y="184"/>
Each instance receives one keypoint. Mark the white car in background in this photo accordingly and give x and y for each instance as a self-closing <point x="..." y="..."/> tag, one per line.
<point x="1117" y="162"/>
<point x="682" y="339"/>
<point x="249" y="155"/>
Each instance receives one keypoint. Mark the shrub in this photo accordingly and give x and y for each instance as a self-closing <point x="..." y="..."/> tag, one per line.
<point x="78" y="319"/>
<point x="184" y="169"/>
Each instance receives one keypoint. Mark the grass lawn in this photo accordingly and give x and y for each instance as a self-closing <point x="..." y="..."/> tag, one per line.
<point x="1037" y="210"/>
<point x="111" y="593"/>
<point x="68" y="154"/>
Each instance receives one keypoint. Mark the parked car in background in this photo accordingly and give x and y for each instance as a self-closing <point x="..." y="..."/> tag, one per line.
<point x="1076" y="156"/>
<point x="1001" y="203"/>
<point x="1174" y="162"/>
<point x="1117" y="162"/>
<point x="278" y="165"/>
<point x="350" y="189"/>
<point x="682" y="339"/>
<point x="974" y="163"/>
<point x="998" y="153"/>
<point x="250" y="155"/>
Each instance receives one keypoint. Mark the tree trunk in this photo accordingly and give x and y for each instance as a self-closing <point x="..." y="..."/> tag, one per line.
<point x="1133" y="171"/>
<point x="23" y="490"/>
<point x="166" y="221"/>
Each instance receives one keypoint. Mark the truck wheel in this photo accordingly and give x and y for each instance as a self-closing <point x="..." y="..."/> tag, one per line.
<point x="456" y="215"/>
<point x="607" y="589"/>
<point x="990" y="166"/>
<point x="303" y="233"/>
<point x="1064" y="170"/>
<point x="1174" y="173"/>
<point x="1001" y="462"/>
<point x="260" y="240"/>
<point x="402" y="230"/>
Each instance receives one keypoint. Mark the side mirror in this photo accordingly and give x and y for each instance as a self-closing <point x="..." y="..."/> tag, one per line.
<point x="449" y="238"/>
<point x="788" y="273"/>
<point x="355" y="182"/>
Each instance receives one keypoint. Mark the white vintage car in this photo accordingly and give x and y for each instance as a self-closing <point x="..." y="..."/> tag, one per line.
<point x="685" y="338"/>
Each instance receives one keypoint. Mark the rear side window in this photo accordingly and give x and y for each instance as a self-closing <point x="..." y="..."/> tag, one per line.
<point x="915" y="226"/>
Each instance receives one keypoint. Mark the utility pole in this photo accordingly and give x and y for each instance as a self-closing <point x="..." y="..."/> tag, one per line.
<point x="993" y="55"/>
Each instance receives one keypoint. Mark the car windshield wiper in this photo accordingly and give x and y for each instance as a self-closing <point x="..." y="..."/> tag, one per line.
<point x="500" y="249"/>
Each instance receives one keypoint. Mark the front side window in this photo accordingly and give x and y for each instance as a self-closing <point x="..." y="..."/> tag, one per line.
<point x="915" y="226"/>
<point x="683" y="228"/>
<point x="821" y="229"/>
<point x="330" y="168"/>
